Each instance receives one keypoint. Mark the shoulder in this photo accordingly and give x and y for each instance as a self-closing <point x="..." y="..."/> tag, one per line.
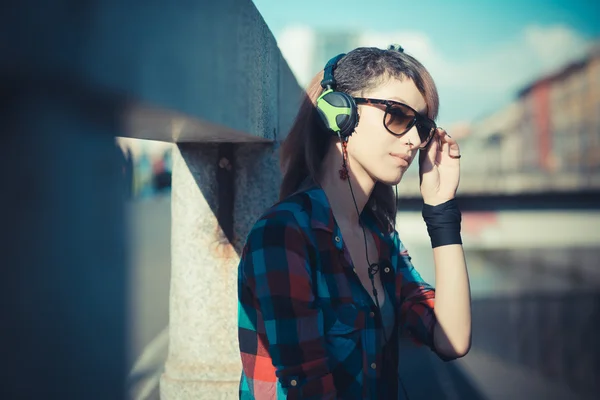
<point x="278" y="241"/>
<point x="295" y="208"/>
<point x="288" y="218"/>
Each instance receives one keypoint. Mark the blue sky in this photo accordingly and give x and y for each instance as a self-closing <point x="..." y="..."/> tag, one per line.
<point x="459" y="27"/>
<point x="479" y="52"/>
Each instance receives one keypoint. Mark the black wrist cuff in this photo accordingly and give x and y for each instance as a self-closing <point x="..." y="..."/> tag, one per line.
<point x="443" y="223"/>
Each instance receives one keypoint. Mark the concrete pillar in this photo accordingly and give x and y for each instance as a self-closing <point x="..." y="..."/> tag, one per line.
<point x="63" y="272"/>
<point x="202" y="358"/>
<point x="219" y="190"/>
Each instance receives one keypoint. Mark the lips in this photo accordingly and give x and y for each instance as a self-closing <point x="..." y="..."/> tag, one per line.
<point x="402" y="156"/>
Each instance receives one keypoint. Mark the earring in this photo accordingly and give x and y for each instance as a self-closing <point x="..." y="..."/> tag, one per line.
<point x="344" y="170"/>
<point x="409" y="143"/>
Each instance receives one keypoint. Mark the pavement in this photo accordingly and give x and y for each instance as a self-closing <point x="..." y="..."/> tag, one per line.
<point x="477" y="376"/>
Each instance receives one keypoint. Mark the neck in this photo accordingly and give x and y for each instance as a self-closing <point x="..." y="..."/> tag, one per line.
<point x="338" y="191"/>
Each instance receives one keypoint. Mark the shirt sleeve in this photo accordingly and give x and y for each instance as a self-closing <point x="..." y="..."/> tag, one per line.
<point x="417" y="300"/>
<point x="277" y="271"/>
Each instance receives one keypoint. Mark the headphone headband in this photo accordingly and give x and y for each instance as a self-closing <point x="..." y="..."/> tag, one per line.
<point x="328" y="81"/>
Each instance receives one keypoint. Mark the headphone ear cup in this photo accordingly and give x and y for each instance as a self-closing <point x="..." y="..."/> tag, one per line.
<point x="337" y="112"/>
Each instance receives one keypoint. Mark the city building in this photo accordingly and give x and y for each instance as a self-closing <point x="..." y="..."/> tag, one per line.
<point x="552" y="126"/>
<point x="562" y="111"/>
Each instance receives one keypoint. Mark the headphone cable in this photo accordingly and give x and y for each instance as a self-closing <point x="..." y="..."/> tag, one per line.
<point x="373" y="268"/>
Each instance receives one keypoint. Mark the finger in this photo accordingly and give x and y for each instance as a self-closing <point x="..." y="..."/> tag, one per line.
<point x="450" y="145"/>
<point x="442" y="145"/>
<point x="429" y="155"/>
<point x="438" y="138"/>
<point x="454" y="150"/>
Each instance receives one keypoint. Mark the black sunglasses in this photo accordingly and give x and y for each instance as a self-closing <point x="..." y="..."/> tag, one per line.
<point x="399" y="118"/>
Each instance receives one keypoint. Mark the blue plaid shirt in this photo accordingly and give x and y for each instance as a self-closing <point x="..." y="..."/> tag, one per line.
<point x="307" y="329"/>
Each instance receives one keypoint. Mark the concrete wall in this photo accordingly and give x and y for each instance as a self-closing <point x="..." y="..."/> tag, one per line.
<point x="63" y="269"/>
<point x="189" y="63"/>
<point x="76" y="76"/>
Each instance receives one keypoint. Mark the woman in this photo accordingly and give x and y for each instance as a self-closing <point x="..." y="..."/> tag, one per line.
<point x="326" y="287"/>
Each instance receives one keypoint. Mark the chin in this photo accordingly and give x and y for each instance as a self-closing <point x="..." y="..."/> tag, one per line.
<point x="391" y="180"/>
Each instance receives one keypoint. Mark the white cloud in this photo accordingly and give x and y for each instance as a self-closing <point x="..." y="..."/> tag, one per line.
<point x="494" y="77"/>
<point x="536" y="51"/>
<point x="555" y="45"/>
<point x="416" y="44"/>
<point x="296" y="44"/>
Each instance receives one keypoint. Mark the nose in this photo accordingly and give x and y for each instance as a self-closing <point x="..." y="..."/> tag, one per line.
<point x="412" y="137"/>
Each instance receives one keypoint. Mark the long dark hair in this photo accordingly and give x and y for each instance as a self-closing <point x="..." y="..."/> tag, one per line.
<point x="364" y="68"/>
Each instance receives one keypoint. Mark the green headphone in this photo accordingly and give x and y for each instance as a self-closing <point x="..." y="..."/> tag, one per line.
<point x="337" y="110"/>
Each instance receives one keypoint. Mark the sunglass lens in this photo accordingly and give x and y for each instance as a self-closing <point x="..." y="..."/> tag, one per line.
<point x="399" y="119"/>
<point x="426" y="128"/>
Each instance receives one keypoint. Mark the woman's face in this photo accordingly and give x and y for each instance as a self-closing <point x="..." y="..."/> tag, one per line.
<point x="383" y="156"/>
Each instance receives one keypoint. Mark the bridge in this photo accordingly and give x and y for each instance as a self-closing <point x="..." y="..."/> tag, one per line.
<point x="516" y="183"/>
<point x="516" y="191"/>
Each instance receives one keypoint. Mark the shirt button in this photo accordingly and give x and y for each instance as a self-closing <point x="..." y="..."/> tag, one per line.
<point x="372" y="314"/>
<point x="293" y="382"/>
<point x="373" y="366"/>
<point x="386" y="269"/>
<point x="337" y="239"/>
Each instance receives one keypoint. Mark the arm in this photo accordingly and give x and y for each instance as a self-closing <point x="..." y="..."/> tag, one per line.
<point x="439" y="170"/>
<point x="277" y="271"/>
<point x="417" y="299"/>
<point x="424" y="310"/>
<point x="452" y="332"/>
